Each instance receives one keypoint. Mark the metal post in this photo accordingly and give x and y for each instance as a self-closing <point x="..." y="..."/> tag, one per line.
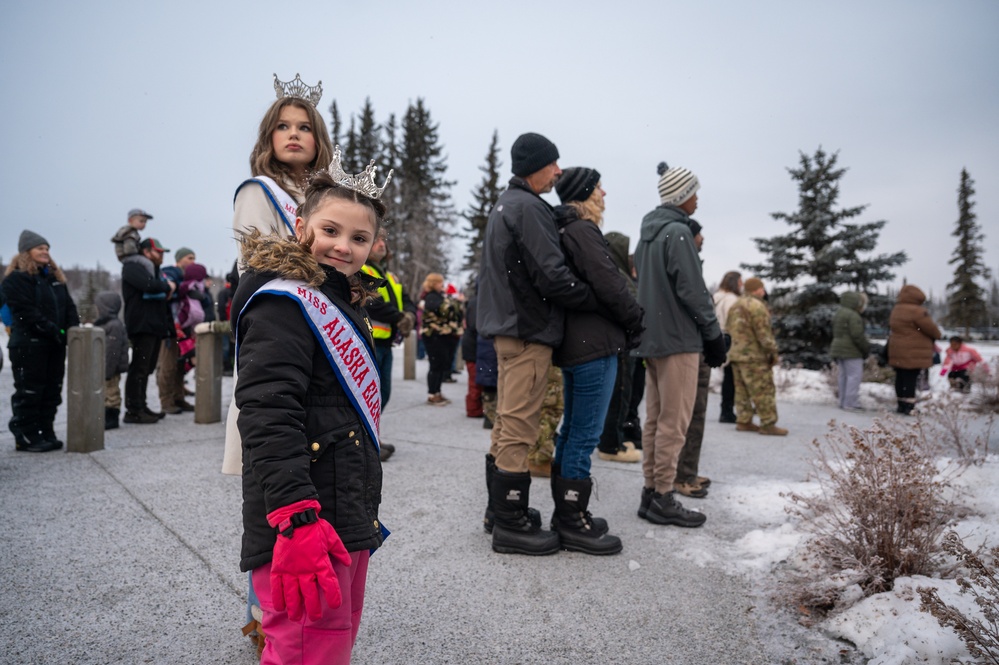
<point x="85" y="389"/>
<point x="208" y="377"/>
<point x="409" y="357"/>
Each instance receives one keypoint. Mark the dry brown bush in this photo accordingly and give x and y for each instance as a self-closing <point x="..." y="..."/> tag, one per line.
<point x="980" y="636"/>
<point x="878" y="515"/>
<point x="947" y="426"/>
<point x="985" y="395"/>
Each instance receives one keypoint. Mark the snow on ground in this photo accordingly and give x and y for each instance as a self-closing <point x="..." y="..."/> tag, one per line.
<point x="887" y="628"/>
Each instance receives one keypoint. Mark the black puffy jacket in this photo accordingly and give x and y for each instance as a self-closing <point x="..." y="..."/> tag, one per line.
<point x="41" y="308"/>
<point x="302" y="438"/>
<point x="592" y="335"/>
<point x="144" y="291"/>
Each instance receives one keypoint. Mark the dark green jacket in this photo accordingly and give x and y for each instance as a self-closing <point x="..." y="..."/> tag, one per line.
<point x="849" y="340"/>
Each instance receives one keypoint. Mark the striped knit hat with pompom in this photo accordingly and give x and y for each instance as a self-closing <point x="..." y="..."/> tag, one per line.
<point x="676" y="184"/>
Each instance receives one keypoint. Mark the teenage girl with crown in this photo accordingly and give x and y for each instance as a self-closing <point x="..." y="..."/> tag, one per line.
<point x="292" y="140"/>
<point x="309" y="400"/>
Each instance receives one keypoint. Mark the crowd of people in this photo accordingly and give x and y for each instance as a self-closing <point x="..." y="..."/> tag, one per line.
<point x="563" y="334"/>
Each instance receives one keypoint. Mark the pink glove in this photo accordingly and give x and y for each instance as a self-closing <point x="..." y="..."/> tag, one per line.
<point x="301" y="563"/>
<point x="942" y="372"/>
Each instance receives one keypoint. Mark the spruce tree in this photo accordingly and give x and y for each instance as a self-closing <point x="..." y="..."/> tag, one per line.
<point x="425" y="215"/>
<point x="388" y="160"/>
<point x="483" y="200"/>
<point x="368" y="136"/>
<point x="335" y="123"/>
<point x="966" y="306"/>
<point x="821" y="253"/>
<point x="351" y="150"/>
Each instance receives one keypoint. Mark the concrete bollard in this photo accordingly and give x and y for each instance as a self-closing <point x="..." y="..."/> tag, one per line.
<point x="409" y="357"/>
<point x="85" y="389"/>
<point x="208" y="377"/>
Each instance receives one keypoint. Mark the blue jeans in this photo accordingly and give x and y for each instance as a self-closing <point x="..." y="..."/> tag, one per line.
<point x="588" y="389"/>
<point x="383" y="358"/>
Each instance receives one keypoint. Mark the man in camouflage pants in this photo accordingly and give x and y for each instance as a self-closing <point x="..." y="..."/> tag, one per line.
<point x="542" y="452"/>
<point x="752" y="357"/>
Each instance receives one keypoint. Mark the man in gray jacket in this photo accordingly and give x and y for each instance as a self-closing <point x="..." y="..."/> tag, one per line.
<point x="524" y="285"/>
<point x="680" y="324"/>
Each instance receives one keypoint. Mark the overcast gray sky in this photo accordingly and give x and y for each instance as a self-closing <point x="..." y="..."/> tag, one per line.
<point x="113" y="105"/>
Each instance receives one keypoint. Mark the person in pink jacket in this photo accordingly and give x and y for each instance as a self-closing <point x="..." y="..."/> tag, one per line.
<point x="958" y="364"/>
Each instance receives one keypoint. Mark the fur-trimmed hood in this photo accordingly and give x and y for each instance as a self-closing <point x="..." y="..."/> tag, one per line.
<point x="280" y="255"/>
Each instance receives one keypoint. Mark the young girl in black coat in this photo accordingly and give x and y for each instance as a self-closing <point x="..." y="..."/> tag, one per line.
<point x="308" y="395"/>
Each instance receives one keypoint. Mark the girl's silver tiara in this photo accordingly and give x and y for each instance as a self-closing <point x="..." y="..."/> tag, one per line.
<point x="297" y="88"/>
<point x="363" y="182"/>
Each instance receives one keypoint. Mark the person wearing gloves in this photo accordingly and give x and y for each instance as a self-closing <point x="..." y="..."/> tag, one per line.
<point x="41" y="312"/>
<point x="849" y="348"/>
<point x="680" y="325"/>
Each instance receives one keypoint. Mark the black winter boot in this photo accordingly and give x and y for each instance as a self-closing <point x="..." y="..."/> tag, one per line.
<point x="576" y="529"/>
<point x="487" y="521"/>
<point x="31" y="441"/>
<point x="48" y="433"/>
<point x="665" y="509"/>
<point x="514" y="532"/>
<point x="599" y="523"/>
<point x="643" y="507"/>
<point x="111" y="418"/>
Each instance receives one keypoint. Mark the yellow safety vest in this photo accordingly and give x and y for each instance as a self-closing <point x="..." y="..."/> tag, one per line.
<point x="380" y="329"/>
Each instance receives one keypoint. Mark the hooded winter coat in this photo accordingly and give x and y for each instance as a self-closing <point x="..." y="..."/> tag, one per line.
<point x="525" y="285"/>
<point x="115" y="338"/>
<point x="301" y="436"/>
<point x="679" y="314"/>
<point x="592" y="335"/>
<point x="144" y="292"/>
<point x="910" y="344"/>
<point x="849" y="340"/>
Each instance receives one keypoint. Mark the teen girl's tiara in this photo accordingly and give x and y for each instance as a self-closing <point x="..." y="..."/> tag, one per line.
<point x="297" y="88"/>
<point x="363" y="182"/>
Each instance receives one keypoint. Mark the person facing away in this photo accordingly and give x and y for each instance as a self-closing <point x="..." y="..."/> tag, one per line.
<point x="849" y="348"/>
<point x="524" y="289"/>
<point x="42" y="310"/>
<point x="115" y="353"/>
<point x="128" y="238"/>
<point x="148" y="321"/>
<point x="911" y="338"/>
<point x="169" y="377"/>
<point x="680" y="324"/>
<point x="588" y="358"/>
<point x="308" y="399"/>
<point x="727" y="294"/>
<point x="753" y="355"/>
<point x="959" y="362"/>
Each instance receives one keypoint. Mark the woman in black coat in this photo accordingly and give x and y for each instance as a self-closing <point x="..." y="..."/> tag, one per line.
<point x="42" y="312"/>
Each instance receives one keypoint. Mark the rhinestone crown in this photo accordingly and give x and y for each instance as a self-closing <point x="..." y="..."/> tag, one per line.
<point x="363" y="182"/>
<point x="298" y="88"/>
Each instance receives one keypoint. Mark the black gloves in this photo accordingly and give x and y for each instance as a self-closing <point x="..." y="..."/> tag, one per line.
<point x="714" y="351"/>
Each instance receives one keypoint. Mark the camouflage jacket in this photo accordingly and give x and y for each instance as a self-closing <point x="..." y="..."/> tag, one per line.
<point x="752" y="336"/>
<point x="441" y="315"/>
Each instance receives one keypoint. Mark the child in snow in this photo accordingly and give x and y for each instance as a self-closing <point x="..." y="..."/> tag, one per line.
<point x="958" y="364"/>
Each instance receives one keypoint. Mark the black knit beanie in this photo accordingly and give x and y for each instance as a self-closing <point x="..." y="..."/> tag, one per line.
<point x="29" y="240"/>
<point x="577" y="183"/>
<point x="695" y="226"/>
<point x="531" y="153"/>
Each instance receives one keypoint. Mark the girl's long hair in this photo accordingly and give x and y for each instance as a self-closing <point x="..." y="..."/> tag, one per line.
<point x="25" y="263"/>
<point x="262" y="159"/>
<point x="730" y="282"/>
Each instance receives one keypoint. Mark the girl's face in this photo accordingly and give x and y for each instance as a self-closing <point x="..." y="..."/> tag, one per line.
<point x="344" y="232"/>
<point x="293" y="142"/>
<point x="40" y="255"/>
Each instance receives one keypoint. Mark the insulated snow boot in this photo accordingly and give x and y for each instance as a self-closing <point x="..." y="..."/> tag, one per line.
<point x="111" y="418"/>
<point x="48" y="433"/>
<point x="575" y="526"/>
<point x="487" y="521"/>
<point x="665" y="509"/>
<point x="31" y="441"/>
<point x="599" y="523"/>
<point x="514" y="531"/>
<point x="643" y="507"/>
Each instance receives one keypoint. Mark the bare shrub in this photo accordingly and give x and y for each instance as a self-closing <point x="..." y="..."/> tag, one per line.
<point x="878" y="515"/>
<point x="986" y="380"/>
<point x="980" y="636"/>
<point x="947" y="426"/>
<point x="875" y="373"/>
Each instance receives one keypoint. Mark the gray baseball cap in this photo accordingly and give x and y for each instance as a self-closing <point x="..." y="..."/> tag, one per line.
<point x="139" y="212"/>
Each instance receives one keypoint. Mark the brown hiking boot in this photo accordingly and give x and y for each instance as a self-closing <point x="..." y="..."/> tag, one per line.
<point x="747" y="427"/>
<point x="690" y="489"/>
<point x="773" y="430"/>
<point x="437" y="400"/>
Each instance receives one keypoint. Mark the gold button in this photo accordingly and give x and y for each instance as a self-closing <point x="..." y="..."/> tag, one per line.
<point x="357" y="442"/>
<point x="315" y="447"/>
<point x="351" y="434"/>
<point x="376" y="524"/>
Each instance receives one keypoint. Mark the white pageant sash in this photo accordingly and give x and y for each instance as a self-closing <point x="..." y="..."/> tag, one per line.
<point x="282" y="201"/>
<point x="345" y="347"/>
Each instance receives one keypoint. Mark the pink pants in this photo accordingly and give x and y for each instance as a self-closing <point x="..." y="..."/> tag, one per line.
<point x="327" y="641"/>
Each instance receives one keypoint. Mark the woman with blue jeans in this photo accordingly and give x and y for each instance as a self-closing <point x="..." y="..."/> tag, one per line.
<point x="588" y="358"/>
